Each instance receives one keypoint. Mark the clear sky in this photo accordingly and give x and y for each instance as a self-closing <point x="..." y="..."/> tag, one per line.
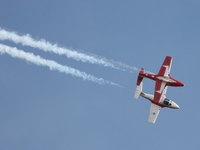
<point x="44" y="109"/>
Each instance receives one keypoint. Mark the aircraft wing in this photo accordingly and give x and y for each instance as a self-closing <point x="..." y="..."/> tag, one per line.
<point x="154" y="111"/>
<point x="166" y="67"/>
<point x="159" y="89"/>
<point x="160" y="86"/>
<point x="164" y="92"/>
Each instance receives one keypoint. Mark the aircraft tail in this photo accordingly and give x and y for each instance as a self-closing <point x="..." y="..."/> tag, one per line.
<point x="140" y="77"/>
<point x="138" y="90"/>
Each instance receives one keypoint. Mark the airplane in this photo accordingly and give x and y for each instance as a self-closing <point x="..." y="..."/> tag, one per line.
<point x="163" y="80"/>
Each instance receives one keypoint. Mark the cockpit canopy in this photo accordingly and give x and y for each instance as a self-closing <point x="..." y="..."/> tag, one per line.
<point x="167" y="102"/>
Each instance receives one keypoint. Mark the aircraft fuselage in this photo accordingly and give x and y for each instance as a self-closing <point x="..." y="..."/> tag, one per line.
<point x="164" y="102"/>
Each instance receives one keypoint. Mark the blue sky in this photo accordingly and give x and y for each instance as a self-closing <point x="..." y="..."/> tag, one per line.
<point x="43" y="109"/>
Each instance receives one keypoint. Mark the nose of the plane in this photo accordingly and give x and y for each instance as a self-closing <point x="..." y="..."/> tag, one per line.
<point x="175" y="106"/>
<point x="182" y="84"/>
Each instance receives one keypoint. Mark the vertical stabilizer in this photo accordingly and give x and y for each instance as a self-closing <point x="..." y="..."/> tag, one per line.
<point x="141" y="71"/>
<point x="140" y="77"/>
<point x="138" y="90"/>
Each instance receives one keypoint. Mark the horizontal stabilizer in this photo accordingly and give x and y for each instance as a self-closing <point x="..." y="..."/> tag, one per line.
<point x="138" y="90"/>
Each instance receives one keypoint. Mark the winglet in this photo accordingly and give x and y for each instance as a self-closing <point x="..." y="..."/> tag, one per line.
<point x="138" y="90"/>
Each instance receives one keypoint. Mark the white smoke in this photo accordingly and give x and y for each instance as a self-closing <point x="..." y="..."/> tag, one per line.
<point x="30" y="57"/>
<point x="27" y="40"/>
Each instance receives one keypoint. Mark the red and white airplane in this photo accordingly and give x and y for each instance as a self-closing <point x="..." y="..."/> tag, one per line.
<point x="163" y="79"/>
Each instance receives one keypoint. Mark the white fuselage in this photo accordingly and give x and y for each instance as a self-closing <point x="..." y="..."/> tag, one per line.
<point x="163" y="101"/>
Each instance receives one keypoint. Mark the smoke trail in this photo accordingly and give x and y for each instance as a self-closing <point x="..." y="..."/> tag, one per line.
<point x="27" y="40"/>
<point x="30" y="57"/>
<point x="115" y="63"/>
<point x="123" y="65"/>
